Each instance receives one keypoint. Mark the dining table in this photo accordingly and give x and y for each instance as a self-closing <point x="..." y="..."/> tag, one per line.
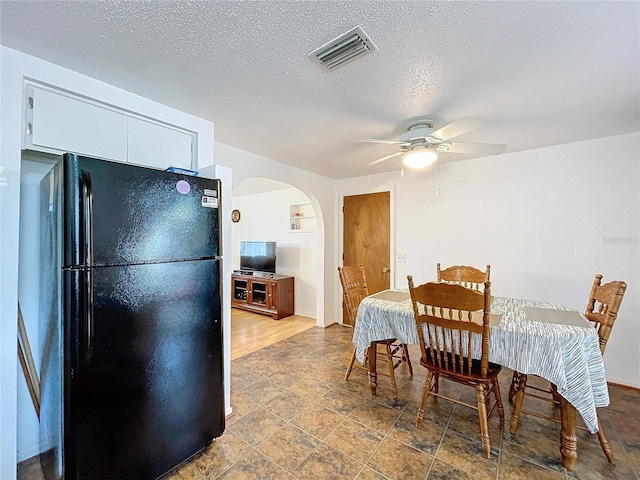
<point x="532" y="337"/>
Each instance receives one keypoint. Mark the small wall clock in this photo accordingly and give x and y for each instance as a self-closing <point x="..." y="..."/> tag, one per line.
<point x="235" y="216"/>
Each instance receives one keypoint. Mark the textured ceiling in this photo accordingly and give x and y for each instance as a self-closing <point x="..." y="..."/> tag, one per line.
<point x="538" y="73"/>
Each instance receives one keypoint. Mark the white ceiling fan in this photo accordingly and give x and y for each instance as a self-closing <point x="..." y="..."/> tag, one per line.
<point x="420" y="144"/>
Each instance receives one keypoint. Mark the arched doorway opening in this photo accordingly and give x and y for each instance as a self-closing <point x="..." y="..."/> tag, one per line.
<point x="278" y="212"/>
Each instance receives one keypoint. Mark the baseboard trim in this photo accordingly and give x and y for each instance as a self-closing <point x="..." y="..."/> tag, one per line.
<point x="622" y="385"/>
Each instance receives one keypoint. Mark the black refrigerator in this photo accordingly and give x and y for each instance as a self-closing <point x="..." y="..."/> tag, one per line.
<point x="131" y="322"/>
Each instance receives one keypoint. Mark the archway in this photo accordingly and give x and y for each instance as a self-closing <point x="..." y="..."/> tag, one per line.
<point x="275" y="211"/>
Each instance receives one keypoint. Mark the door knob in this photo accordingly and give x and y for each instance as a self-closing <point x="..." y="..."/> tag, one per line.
<point x="386" y="269"/>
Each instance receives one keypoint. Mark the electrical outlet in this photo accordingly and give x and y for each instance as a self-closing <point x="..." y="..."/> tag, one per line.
<point x="401" y="257"/>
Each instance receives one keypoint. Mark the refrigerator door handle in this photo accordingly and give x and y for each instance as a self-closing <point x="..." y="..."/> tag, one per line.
<point x="87" y="225"/>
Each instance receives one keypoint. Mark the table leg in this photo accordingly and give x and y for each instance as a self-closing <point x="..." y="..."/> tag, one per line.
<point x="568" y="439"/>
<point x="373" y="374"/>
<point x="517" y="403"/>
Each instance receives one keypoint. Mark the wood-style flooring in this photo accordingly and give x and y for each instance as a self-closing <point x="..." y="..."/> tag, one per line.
<point x="251" y="332"/>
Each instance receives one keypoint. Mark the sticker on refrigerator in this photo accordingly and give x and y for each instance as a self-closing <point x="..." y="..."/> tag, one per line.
<point x="209" y="202"/>
<point x="210" y="193"/>
<point x="183" y="187"/>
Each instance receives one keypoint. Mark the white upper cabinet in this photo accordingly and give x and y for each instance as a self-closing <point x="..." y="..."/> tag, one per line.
<point x="71" y="125"/>
<point x="157" y="145"/>
<point x="61" y="122"/>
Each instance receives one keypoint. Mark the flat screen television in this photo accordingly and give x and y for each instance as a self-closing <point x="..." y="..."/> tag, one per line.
<point x="258" y="256"/>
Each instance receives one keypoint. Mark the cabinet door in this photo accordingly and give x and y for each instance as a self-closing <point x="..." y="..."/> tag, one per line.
<point x="239" y="291"/>
<point x="155" y="145"/>
<point x="259" y="293"/>
<point x="273" y="296"/>
<point x="70" y="124"/>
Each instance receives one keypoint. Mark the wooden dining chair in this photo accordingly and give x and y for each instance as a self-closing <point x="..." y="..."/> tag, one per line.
<point x="470" y="277"/>
<point x="453" y="329"/>
<point x="354" y="289"/>
<point x="602" y="310"/>
<point x="464" y="275"/>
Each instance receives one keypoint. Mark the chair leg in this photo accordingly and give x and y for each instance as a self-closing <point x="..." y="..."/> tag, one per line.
<point x="484" y="424"/>
<point x="515" y="414"/>
<point x="392" y="375"/>
<point x="436" y="383"/>
<point x="496" y="392"/>
<point x="405" y="352"/>
<point x="350" y="367"/>
<point x="513" y="388"/>
<point x="604" y="443"/>
<point x="425" y="395"/>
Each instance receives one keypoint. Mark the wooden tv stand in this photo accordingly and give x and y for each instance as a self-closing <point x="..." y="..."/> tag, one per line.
<point x="264" y="293"/>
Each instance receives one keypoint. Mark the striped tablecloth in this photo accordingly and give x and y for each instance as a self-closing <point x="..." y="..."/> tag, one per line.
<point x="567" y="353"/>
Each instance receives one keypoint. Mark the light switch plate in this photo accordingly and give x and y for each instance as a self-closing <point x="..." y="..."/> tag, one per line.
<point x="401" y="257"/>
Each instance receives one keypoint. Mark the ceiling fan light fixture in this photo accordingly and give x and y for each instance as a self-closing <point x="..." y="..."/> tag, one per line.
<point x="420" y="157"/>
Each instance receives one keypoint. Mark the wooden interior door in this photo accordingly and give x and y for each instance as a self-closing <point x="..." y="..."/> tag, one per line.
<point x="366" y="220"/>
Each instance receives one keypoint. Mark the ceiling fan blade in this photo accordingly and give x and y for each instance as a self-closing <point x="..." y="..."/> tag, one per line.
<point x="385" y="142"/>
<point x="475" y="148"/>
<point x="382" y="159"/>
<point x="463" y="125"/>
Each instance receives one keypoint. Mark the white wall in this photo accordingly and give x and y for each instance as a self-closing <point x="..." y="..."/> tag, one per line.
<point x="15" y="67"/>
<point x="266" y="217"/>
<point x="225" y="175"/>
<point x="546" y="220"/>
<point x="321" y="192"/>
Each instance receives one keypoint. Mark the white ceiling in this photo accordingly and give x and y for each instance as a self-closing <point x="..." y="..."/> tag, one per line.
<point x="538" y="73"/>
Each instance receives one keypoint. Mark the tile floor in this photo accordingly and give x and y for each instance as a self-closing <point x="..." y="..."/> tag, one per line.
<point x="295" y="417"/>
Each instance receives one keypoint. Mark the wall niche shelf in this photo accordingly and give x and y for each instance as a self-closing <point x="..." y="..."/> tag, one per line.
<point x="302" y="218"/>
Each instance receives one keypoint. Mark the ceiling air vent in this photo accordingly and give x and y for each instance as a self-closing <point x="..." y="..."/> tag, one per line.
<point x="343" y="49"/>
